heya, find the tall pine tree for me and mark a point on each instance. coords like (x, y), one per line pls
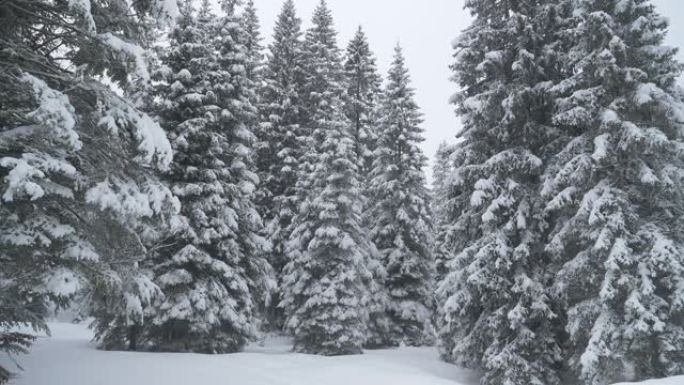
(360, 106)
(212, 272)
(496, 314)
(280, 138)
(442, 216)
(239, 117)
(326, 282)
(614, 195)
(252, 42)
(361, 99)
(400, 211)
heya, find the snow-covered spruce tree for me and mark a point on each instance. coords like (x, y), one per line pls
(79, 197)
(361, 99)
(326, 282)
(322, 95)
(239, 119)
(400, 224)
(495, 311)
(442, 170)
(252, 43)
(279, 140)
(254, 71)
(614, 193)
(210, 271)
(360, 106)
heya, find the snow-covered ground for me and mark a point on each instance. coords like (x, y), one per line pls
(68, 358)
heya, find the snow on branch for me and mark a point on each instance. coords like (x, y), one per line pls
(54, 110)
(129, 199)
(155, 149)
(83, 9)
(134, 51)
(20, 180)
(27, 177)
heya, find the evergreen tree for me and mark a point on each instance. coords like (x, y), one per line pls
(442, 217)
(252, 42)
(254, 70)
(211, 271)
(361, 99)
(80, 200)
(323, 93)
(496, 313)
(280, 139)
(614, 195)
(360, 106)
(326, 282)
(400, 212)
(239, 118)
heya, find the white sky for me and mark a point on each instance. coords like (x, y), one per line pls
(425, 29)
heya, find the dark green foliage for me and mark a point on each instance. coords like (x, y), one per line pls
(400, 221)
(75, 159)
(212, 274)
(326, 283)
(280, 140)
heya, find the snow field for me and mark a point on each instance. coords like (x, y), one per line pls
(69, 358)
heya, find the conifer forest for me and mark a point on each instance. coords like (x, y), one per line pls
(189, 197)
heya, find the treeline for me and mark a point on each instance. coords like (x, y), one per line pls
(189, 188)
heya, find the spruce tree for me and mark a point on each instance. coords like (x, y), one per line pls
(254, 70)
(326, 282)
(360, 106)
(212, 272)
(252, 43)
(400, 212)
(236, 93)
(442, 217)
(361, 99)
(496, 313)
(280, 139)
(79, 197)
(323, 93)
(614, 195)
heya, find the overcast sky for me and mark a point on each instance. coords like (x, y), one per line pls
(425, 29)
